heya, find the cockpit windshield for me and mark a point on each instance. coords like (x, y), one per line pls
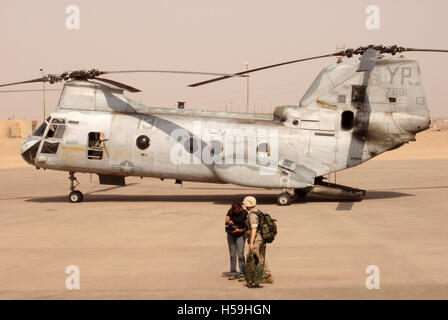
(39, 132)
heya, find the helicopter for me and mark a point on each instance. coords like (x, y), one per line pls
(352, 112)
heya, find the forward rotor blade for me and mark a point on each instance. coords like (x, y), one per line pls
(118, 84)
(42, 79)
(29, 90)
(242, 73)
(171, 71)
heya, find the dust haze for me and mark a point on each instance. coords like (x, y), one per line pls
(209, 36)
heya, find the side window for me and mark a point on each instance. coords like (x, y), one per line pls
(216, 148)
(264, 149)
(95, 146)
(191, 145)
(50, 147)
(57, 129)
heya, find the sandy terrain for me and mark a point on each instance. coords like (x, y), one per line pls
(156, 240)
(10, 154)
(430, 144)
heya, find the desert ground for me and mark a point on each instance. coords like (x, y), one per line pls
(157, 240)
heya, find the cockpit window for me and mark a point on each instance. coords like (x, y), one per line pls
(57, 129)
(39, 132)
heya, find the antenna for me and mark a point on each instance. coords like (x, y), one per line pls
(43, 88)
(247, 88)
(340, 47)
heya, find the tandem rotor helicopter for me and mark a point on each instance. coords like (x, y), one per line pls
(352, 112)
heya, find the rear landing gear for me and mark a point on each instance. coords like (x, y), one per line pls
(75, 195)
(285, 199)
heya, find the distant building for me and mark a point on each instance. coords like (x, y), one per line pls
(17, 128)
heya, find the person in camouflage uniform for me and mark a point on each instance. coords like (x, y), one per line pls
(255, 240)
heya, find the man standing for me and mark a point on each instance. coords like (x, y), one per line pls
(255, 240)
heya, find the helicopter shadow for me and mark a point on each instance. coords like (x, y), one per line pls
(262, 199)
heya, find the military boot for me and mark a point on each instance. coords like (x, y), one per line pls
(268, 279)
(253, 286)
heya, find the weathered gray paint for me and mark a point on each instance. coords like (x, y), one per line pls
(309, 134)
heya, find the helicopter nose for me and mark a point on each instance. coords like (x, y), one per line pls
(29, 149)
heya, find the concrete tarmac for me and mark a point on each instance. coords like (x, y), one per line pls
(156, 240)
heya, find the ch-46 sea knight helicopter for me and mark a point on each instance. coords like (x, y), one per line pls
(352, 112)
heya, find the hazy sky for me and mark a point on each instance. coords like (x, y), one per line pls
(214, 36)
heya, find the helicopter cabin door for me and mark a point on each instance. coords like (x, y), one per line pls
(122, 143)
(95, 146)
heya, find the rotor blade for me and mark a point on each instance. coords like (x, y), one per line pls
(118, 84)
(171, 71)
(29, 90)
(42, 79)
(401, 49)
(368, 60)
(242, 73)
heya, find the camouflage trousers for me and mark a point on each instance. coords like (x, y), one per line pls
(260, 251)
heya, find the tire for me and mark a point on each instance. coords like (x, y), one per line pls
(75, 196)
(284, 199)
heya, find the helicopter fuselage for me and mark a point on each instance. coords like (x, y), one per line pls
(344, 119)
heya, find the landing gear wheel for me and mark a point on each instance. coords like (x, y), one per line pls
(284, 199)
(75, 196)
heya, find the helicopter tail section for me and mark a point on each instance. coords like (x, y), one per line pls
(359, 114)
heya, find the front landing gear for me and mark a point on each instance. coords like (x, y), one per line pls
(75, 195)
(285, 199)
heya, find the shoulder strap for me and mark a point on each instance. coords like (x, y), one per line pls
(259, 214)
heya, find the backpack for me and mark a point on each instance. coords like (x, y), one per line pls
(266, 226)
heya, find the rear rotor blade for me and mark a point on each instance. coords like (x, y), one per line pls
(368, 60)
(421, 50)
(345, 53)
(242, 73)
